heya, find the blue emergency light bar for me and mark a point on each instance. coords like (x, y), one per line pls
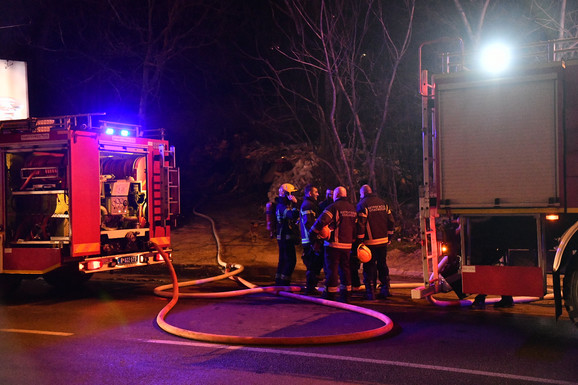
(121, 129)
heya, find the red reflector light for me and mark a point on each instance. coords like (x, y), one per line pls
(159, 257)
(93, 265)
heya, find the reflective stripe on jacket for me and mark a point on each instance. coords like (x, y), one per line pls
(308, 213)
(287, 217)
(341, 217)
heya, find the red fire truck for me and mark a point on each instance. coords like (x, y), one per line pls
(500, 165)
(82, 195)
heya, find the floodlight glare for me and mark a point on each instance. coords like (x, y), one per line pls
(495, 58)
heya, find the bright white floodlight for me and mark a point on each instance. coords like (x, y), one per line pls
(495, 58)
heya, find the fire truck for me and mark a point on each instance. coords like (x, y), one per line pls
(499, 200)
(82, 195)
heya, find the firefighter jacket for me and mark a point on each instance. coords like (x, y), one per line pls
(341, 218)
(374, 221)
(308, 214)
(287, 218)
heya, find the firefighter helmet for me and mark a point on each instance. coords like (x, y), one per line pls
(325, 232)
(363, 253)
(286, 188)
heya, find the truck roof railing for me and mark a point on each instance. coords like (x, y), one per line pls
(539, 52)
(69, 122)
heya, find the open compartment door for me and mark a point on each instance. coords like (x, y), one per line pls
(84, 194)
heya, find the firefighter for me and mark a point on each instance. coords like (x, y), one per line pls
(341, 217)
(327, 201)
(375, 229)
(312, 258)
(287, 216)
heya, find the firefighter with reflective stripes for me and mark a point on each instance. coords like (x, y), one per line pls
(341, 218)
(375, 229)
(287, 216)
(312, 258)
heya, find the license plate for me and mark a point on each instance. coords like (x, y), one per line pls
(127, 260)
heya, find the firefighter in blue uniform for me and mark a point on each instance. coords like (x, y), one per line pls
(312, 258)
(287, 216)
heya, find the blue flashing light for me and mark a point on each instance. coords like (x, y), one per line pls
(124, 132)
(109, 131)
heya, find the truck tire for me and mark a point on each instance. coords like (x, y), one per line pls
(66, 277)
(8, 284)
(571, 291)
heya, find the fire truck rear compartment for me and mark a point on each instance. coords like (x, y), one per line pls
(82, 195)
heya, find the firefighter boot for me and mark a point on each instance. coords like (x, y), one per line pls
(369, 292)
(506, 301)
(479, 302)
(384, 290)
(344, 296)
(311, 287)
(328, 295)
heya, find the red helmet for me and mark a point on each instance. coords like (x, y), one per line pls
(363, 253)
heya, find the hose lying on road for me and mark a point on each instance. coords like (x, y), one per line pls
(231, 272)
(468, 302)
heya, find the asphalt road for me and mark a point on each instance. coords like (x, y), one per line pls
(106, 334)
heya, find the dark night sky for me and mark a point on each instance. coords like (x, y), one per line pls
(79, 61)
(82, 59)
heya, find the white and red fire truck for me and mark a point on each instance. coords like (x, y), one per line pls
(500, 164)
(82, 195)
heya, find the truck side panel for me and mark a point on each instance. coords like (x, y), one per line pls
(31, 261)
(571, 135)
(499, 141)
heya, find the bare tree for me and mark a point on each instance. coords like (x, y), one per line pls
(336, 65)
(121, 45)
(164, 31)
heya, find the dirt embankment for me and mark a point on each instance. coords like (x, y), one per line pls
(240, 226)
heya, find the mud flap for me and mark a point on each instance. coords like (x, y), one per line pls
(557, 294)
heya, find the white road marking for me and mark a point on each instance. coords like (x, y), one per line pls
(44, 332)
(367, 361)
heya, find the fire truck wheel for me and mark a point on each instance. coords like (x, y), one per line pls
(8, 284)
(571, 291)
(66, 277)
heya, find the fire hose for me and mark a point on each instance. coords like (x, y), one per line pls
(231, 272)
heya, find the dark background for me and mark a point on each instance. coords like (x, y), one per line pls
(87, 56)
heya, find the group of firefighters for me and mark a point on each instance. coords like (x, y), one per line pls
(336, 237)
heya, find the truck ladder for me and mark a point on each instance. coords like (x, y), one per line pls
(165, 189)
(430, 251)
